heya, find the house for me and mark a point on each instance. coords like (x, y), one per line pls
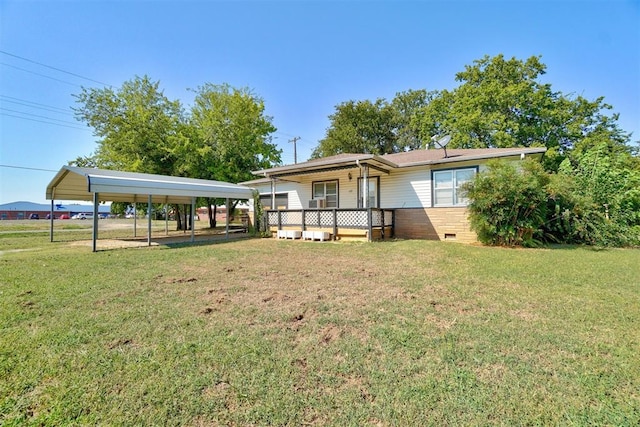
(413, 195)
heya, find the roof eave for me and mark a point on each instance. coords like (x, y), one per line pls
(518, 152)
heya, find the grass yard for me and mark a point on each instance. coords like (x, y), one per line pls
(268, 332)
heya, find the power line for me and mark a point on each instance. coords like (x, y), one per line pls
(287, 134)
(42, 121)
(37, 115)
(39, 74)
(53, 68)
(37, 105)
(27, 168)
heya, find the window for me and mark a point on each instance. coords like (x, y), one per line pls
(446, 186)
(373, 200)
(282, 201)
(327, 190)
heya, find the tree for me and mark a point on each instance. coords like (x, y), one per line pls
(139, 128)
(406, 108)
(231, 136)
(359, 127)
(376, 127)
(502, 103)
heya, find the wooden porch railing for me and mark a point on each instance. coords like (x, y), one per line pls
(333, 220)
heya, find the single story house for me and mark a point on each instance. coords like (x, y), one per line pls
(413, 195)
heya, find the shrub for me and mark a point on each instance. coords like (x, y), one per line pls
(508, 203)
(595, 199)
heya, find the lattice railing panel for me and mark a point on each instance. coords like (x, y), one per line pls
(376, 218)
(357, 218)
(272, 218)
(388, 217)
(354, 219)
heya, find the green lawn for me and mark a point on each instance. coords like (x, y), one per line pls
(267, 332)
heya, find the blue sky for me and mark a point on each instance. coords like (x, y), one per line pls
(302, 57)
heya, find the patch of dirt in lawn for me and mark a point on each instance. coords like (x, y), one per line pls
(319, 295)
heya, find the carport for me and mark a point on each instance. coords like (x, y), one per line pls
(102, 185)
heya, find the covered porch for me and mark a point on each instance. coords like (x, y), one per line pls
(331, 224)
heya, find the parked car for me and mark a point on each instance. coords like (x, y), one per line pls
(34, 216)
(64, 216)
(82, 215)
(49, 216)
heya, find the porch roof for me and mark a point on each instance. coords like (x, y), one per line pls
(388, 162)
(340, 161)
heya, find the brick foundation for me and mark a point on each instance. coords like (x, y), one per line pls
(434, 224)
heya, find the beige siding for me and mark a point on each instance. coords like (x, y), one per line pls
(281, 187)
(347, 189)
(434, 224)
(410, 188)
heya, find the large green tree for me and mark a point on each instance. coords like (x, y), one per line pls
(138, 127)
(226, 136)
(359, 127)
(231, 136)
(503, 103)
(379, 127)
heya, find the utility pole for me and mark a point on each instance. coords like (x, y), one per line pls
(295, 153)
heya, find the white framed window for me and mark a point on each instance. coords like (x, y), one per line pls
(446, 186)
(327, 190)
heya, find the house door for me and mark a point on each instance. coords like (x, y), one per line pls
(373, 199)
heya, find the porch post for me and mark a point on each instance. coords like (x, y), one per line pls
(335, 223)
(382, 222)
(393, 223)
(273, 193)
(365, 187)
(369, 225)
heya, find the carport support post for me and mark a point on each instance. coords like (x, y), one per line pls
(166, 217)
(226, 229)
(51, 222)
(193, 223)
(149, 221)
(94, 232)
(135, 219)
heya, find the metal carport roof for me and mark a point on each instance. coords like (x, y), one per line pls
(102, 185)
(75, 183)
